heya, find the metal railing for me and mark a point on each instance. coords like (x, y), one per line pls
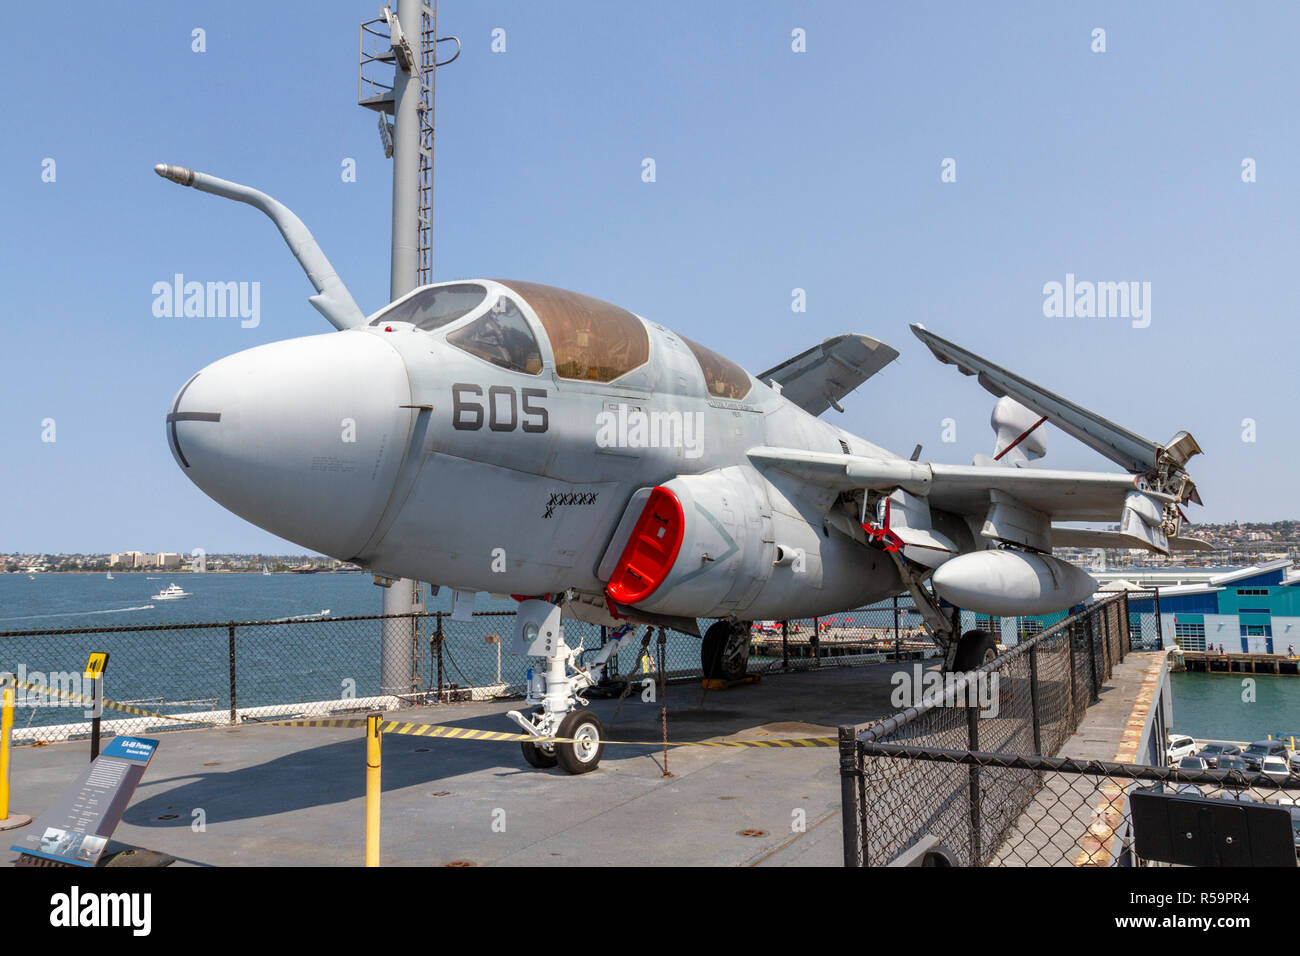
(921, 774)
(231, 671)
(226, 672)
(1079, 812)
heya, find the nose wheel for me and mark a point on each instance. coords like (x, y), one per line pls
(541, 756)
(588, 736)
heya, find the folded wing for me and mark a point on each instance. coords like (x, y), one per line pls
(817, 379)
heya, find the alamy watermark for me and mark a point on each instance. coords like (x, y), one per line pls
(931, 688)
(56, 689)
(208, 300)
(1098, 300)
(631, 427)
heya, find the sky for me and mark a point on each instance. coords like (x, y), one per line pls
(925, 162)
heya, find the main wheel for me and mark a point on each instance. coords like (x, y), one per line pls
(584, 728)
(974, 649)
(724, 653)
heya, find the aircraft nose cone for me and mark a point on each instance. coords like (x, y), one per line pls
(302, 437)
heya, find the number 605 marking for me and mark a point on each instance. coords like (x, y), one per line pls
(503, 407)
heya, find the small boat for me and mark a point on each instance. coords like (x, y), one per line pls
(170, 593)
(109, 575)
(265, 569)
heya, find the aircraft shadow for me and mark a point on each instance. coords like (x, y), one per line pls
(333, 773)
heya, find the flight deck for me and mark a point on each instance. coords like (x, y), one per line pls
(294, 796)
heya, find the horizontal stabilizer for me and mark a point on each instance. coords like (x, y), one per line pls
(817, 379)
(1133, 452)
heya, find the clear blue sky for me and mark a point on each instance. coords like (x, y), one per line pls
(775, 170)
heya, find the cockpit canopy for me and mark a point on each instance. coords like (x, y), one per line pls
(591, 340)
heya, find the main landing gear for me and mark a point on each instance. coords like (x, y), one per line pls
(724, 652)
(564, 733)
(974, 649)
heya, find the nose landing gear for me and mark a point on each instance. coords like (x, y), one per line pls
(553, 696)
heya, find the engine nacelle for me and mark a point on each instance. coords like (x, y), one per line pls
(729, 542)
(1012, 583)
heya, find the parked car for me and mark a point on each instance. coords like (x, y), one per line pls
(1211, 753)
(1192, 790)
(1232, 763)
(1276, 768)
(1254, 754)
(1295, 763)
(1180, 747)
(1192, 763)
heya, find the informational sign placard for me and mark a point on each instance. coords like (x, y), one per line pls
(95, 666)
(78, 826)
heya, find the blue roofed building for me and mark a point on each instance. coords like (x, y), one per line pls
(1253, 610)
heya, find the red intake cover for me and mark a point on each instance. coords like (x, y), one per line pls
(650, 551)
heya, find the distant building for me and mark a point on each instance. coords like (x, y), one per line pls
(1253, 610)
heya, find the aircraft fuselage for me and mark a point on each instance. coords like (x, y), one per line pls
(392, 446)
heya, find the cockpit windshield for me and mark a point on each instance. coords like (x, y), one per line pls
(501, 336)
(434, 308)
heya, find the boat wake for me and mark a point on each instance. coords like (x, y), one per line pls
(301, 617)
(111, 610)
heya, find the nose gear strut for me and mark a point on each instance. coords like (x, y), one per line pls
(551, 705)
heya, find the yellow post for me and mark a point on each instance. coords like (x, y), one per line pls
(8, 698)
(6, 724)
(374, 753)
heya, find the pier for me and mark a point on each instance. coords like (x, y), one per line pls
(1212, 662)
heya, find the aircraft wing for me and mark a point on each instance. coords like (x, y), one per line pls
(1017, 505)
(1126, 449)
(817, 379)
(1061, 495)
(962, 489)
(1090, 538)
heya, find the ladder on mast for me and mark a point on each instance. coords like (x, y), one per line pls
(376, 51)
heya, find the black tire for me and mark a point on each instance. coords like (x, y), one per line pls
(724, 653)
(539, 758)
(975, 649)
(580, 758)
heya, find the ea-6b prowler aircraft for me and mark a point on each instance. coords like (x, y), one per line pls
(521, 439)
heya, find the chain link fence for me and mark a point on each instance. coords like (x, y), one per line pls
(226, 672)
(1080, 812)
(923, 775)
